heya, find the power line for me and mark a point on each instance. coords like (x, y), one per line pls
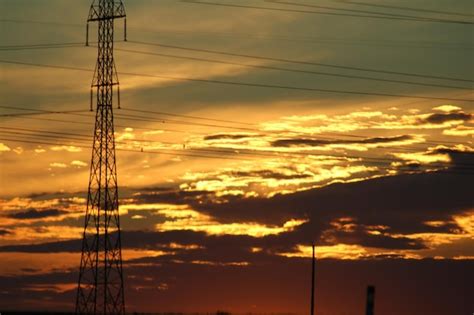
(190, 116)
(45, 66)
(291, 70)
(303, 62)
(159, 120)
(58, 45)
(315, 40)
(40, 46)
(259, 131)
(292, 38)
(77, 135)
(83, 138)
(238, 151)
(39, 110)
(43, 112)
(359, 11)
(41, 22)
(250, 66)
(218, 150)
(233, 83)
(403, 8)
(416, 19)
(372, 160)
(247, 151)
(124, 150)
(72, 136)
(437, 142)
(54, 136)
(47, 131)
(180, 122)
(132, 117)
(90, 124)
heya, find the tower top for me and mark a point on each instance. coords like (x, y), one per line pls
(106, 10)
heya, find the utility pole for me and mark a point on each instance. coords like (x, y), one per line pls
(370, 300)
(313, 267)
(100, 286)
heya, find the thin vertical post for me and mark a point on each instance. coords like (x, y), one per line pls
(370, 300)
(313, 267)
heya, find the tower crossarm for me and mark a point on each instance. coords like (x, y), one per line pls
(115, 10)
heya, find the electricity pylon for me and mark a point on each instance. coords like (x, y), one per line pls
(100, 286)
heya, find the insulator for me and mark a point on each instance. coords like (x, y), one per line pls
(87, 34)
(125, 29)
(118, 95)
(92, 96)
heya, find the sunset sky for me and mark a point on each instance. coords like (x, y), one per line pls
(248, 129)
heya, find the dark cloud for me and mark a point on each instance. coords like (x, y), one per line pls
(461, 160)
(295, 142)
(4, 232)
(52, 247)
(156, 189)
(228, 248)
(36, 214)
(224, 136)
(360, 237)
(47, 195)
(439, 118)
(171, 196)
(402, 202)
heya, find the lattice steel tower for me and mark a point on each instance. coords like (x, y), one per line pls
(100, 286)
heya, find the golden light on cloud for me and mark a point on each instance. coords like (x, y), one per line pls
(78, 163)
(447, 108)
(433, 240)
(349, 252)
(435, 223)
(4, 148)
(460, 131)
(210, 227)
(14, 263)
(57, 287)
(339, 251)
(68, 148)
(275, 176)
(20, 203)
(466, 222)
(256, 249)
(181, 217)
(346, 224)
(423, 157)
(368, 120)
(188, 219)
(214, 263)
(58, 165)
(186, 247)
